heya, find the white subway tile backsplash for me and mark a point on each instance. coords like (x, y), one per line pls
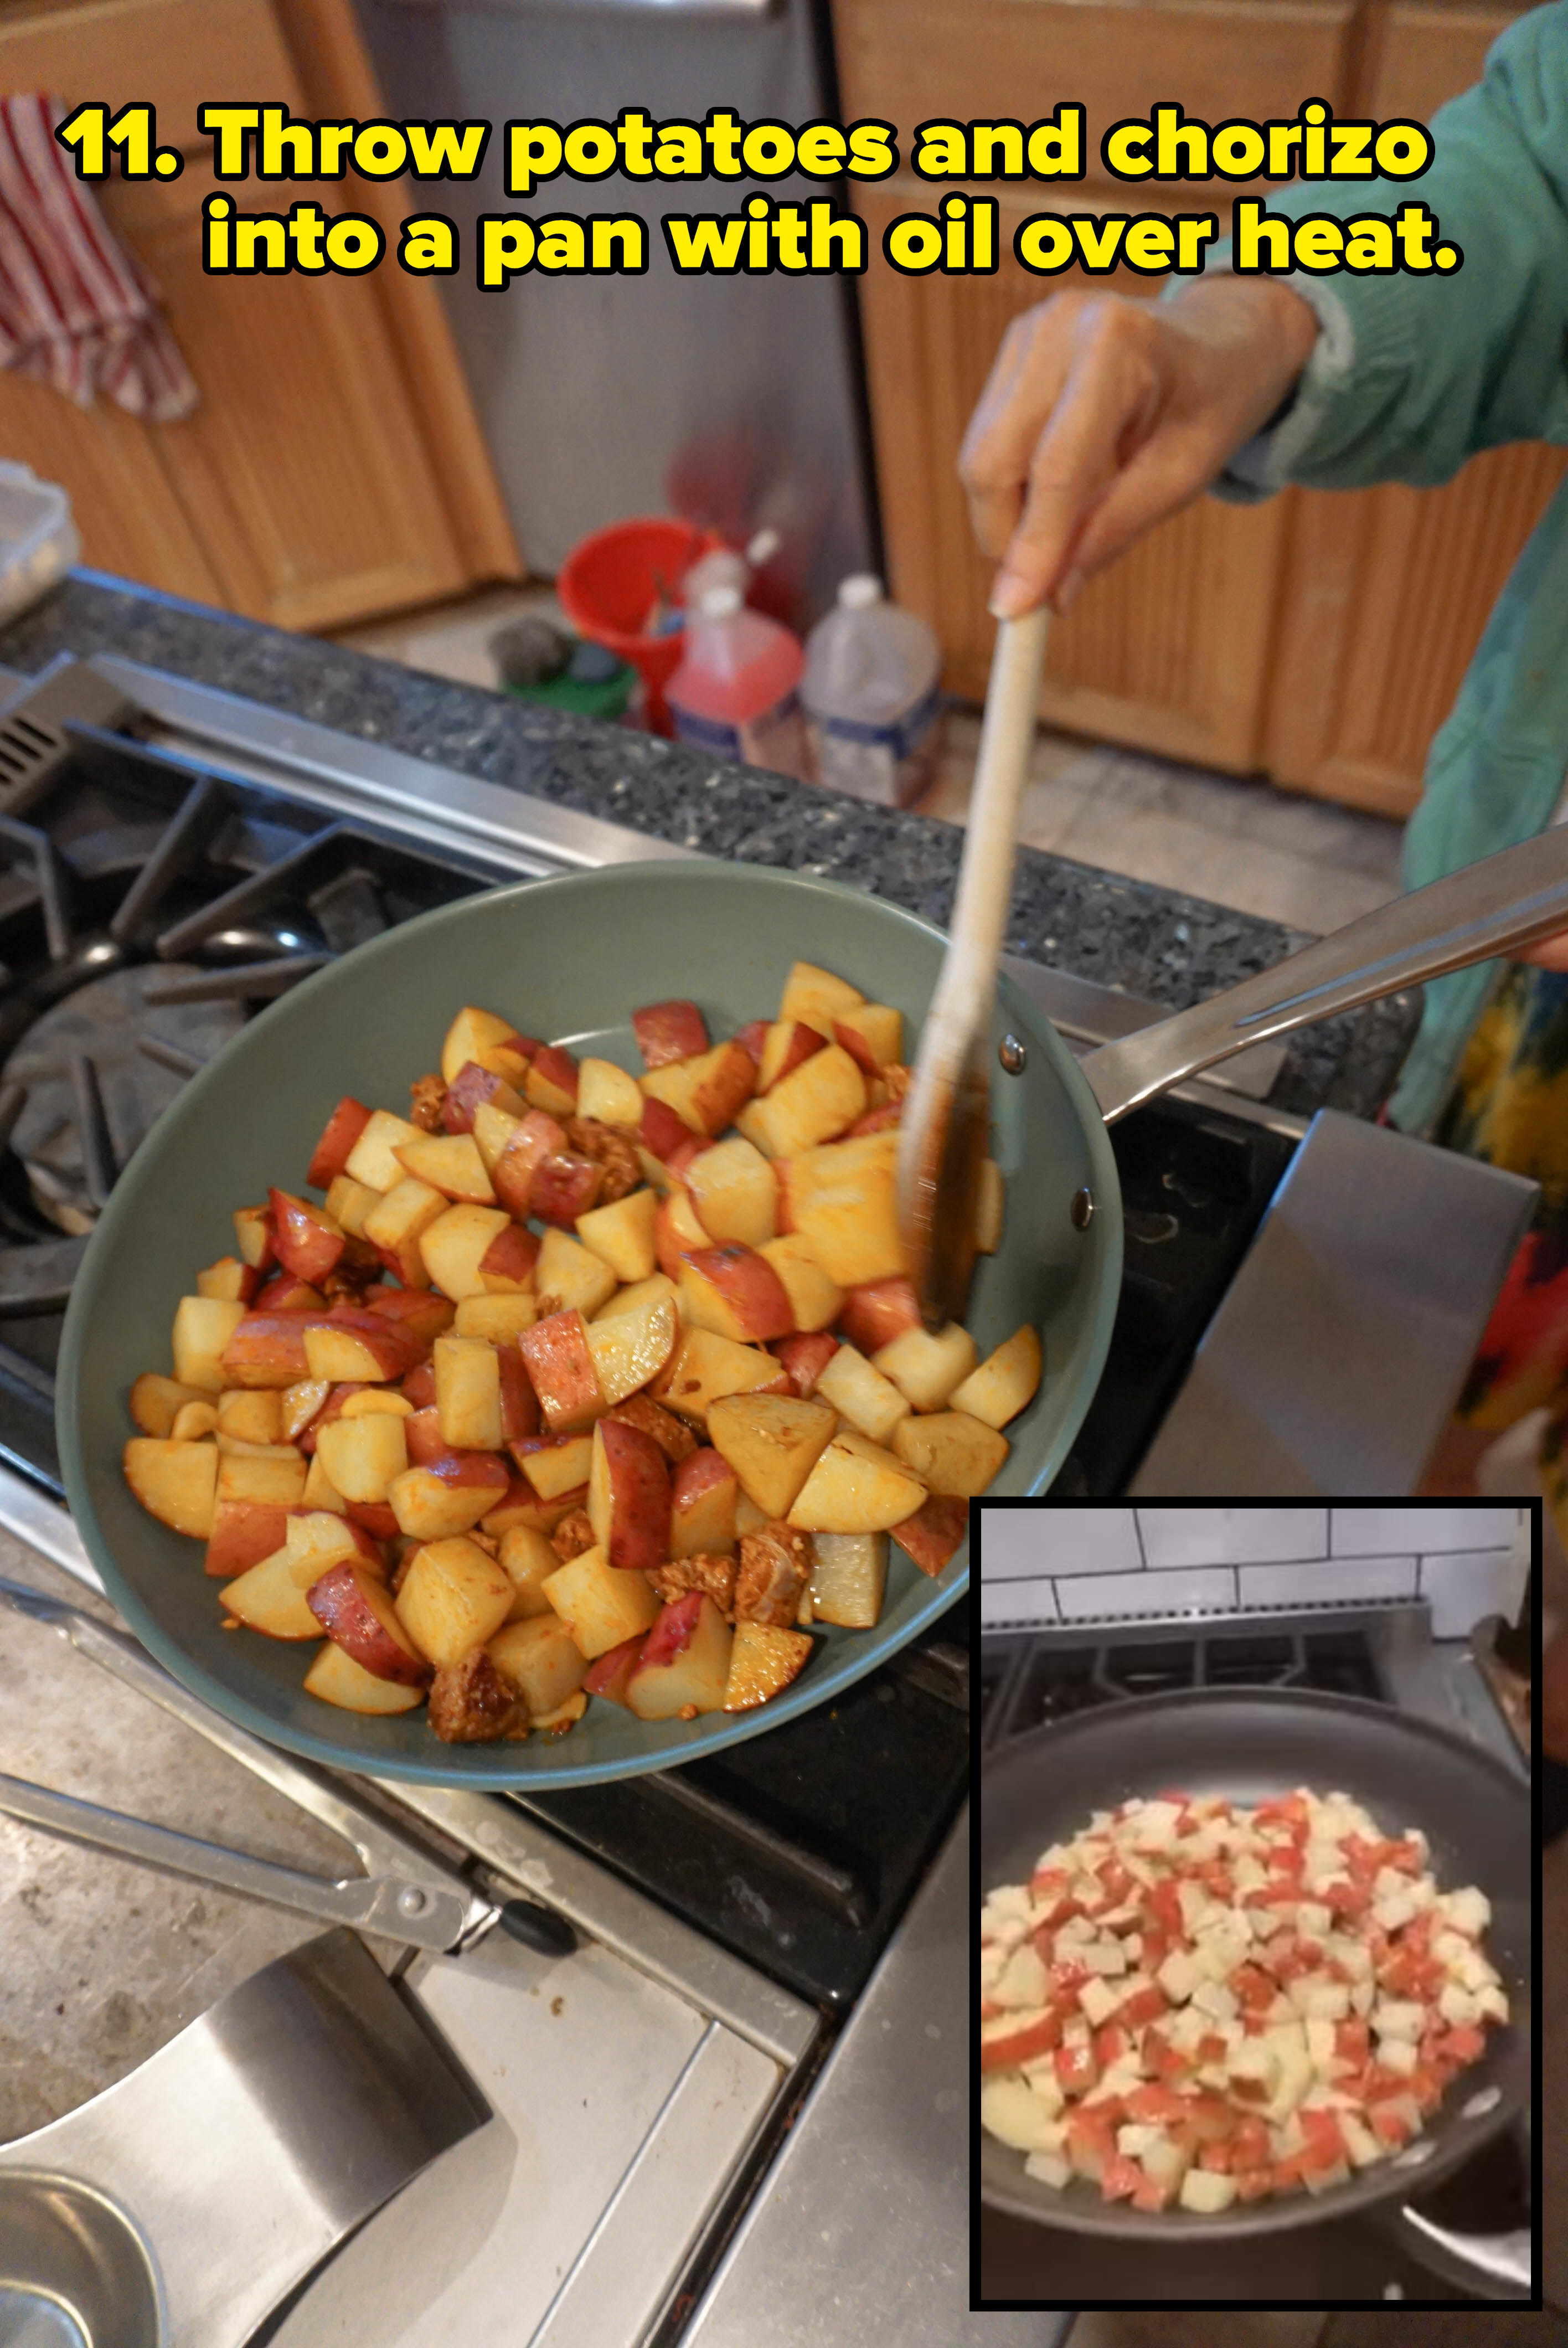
(1374, 1532)
(1017, 1601)
(1464, 1584)
(1044, 1540)
(1232, 1535)
(1147, 1593)
(1320, 1580)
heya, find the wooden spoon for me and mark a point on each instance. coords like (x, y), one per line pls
(946, 1127)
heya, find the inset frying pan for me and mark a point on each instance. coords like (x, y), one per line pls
(1250, 1744)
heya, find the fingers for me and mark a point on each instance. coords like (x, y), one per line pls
(1021, 392)
(1167, 472)
(1552, 953)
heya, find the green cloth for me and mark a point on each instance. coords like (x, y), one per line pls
(1412, 374)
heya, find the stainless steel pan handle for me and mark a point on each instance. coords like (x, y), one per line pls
(1511, 899)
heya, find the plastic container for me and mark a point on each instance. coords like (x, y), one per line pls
(872, 698)
(38, 541)
(727, 566)
(612, 582)
(736, 691)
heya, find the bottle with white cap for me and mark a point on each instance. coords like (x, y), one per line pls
(872, 698)
(737, 692)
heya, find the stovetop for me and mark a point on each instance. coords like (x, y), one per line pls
(1383, 1653)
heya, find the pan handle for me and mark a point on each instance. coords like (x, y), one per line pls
(1490, 2258)
(1512, 899)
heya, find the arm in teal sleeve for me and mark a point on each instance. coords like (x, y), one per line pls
(1413, 373)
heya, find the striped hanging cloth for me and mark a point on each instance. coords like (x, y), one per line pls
(78, 310)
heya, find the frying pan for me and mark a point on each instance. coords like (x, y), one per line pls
(569, 959)
(1249, 1744)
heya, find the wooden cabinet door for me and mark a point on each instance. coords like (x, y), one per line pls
(307, 487)
(1385, 591)
(1168, 649)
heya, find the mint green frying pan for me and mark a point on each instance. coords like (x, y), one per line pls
(570, 960)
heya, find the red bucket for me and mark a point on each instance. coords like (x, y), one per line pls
(607, 586)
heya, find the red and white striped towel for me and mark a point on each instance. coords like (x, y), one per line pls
(78, 310)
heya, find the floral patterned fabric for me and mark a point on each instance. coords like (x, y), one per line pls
(1510, 1108)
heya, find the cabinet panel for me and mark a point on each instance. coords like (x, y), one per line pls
(177, 55)
(1165, 650)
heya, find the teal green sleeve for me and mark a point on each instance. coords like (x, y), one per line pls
(1414, 373)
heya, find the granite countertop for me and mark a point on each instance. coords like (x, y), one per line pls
(1143, 941)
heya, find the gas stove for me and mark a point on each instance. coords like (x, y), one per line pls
(1384, 1654)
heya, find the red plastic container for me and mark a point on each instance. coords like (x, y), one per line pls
(607, 586)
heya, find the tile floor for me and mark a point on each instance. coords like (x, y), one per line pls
(1273, 853)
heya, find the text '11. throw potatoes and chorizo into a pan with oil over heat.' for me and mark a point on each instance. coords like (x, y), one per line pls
(1197, 2004)
(580, 1382)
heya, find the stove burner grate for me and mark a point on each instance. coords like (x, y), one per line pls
(1055, 1683)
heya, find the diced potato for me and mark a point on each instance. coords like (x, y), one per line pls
(253, 1414)
(454, 1245)
(816, 996)
(859, 1393)
(844, 1206)
(362, 1456)
(950, 1451)
(195, 1420)
(849, 1578)
(1005, 1383)
(817, 1100)
(607, 1093)
(856, 1486)
(814, 1301)
(202, 1327)
(540, 1661)
(773, 1442)
(484, 1037)
(454, 1598)
(1204, 2190)
(632, 1299)
(1011, 2110)
(336, 1678)
(706, 1091)
(764, 1659)
(703, 1366)
(880, 1027)
(451, 1164)
(499, 1319)
(176, 1482)
(527, 1560)
(630, 1349)
(578, 1279)
(600, 1606)
(622, 1234)
(397, 1224)
(469, 1393)
(373, 1159)
(155, 1400)
(924, 1368)
(735, 1191)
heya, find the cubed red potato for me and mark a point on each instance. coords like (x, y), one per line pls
(253, 1237)
(454, 1597)
(629, 1349)
(348, 1202)
(338, 1134)
(469, 1393)
(669, 1030)
(536, 1137)
(685, 1662)
(676, 1230)
(269, 1597)
(234, 1280)
(629, 1497)
(507, 1266)
(623, 1233)
(362, 1455)
(753, 1037)
(609, 1094)
(661, 1129)
(704, 1366)
(610, 1675)
(565, 1185)
(734, 1292)
(704, 1490)
(202, 1328)
(287, 1292)
(932, 1536)
(554, 1463)
(818, 1099)
(708, 1090)
(418, 1388)
(805, 1358)
(875, 1314)
(446, 1497)
(425, 1318)
(561, 1373)
(336, 1678)
(356, 1612)
(520, 1505)
(540, 1661)
(485, 1037)
(155, 1400)
(397, 1222)
(374, 1516)
(423, 1436)
(472, 1085)
(448, 1163)
(528, 1559)
(455, 1245)
(601, 1608)
(251, 1414)
(373, 1159)
(243, 1533)
(763, 1661)
(789, 1042)
(316, 1536)
(873, 1034)
(876, 1121)
(519, 1403)
(551, 1083)
(844, 1202)
(362, 1345)
(175, 1482)
(267, 1349)
(195, 1420)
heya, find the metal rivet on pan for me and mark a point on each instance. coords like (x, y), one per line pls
(1479, 2105)
(412, 1902)
(1012, 1055)
(1081, 1209)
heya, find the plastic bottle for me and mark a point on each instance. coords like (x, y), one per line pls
(727, 566)
(872, 697)
(737, 690)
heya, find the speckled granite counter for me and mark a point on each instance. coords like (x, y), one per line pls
(1147, 942)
